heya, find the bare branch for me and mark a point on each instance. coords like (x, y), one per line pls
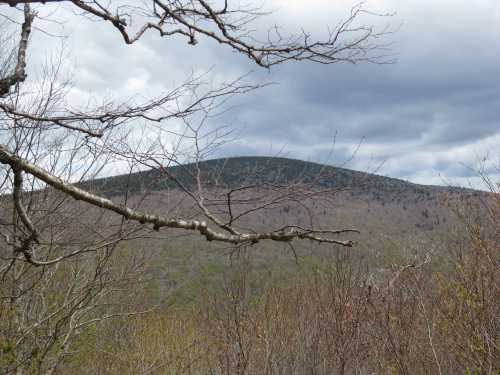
(229, 26)
(7, 157)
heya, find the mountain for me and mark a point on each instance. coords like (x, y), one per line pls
(398, 220)
(363, 200)
(238, 171)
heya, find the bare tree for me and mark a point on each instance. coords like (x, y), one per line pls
(50, 152)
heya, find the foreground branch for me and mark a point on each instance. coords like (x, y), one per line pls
(284, 235)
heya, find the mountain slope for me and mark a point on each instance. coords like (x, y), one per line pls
(239, 171)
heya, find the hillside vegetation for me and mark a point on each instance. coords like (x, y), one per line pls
(416, 294)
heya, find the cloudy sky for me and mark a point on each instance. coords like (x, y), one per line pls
(429, 118)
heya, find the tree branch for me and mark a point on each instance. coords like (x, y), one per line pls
(348, 42)
(7, 157)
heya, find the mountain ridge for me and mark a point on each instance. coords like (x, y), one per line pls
(232, 172)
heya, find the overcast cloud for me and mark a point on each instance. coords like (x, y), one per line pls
(426, 118)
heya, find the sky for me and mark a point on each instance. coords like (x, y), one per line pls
(432, 117)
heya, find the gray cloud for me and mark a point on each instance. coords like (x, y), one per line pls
(437, 107)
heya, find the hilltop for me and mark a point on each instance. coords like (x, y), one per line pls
(238, 171)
